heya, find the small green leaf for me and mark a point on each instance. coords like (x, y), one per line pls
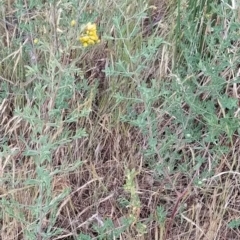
(227, 102)
(234, 223)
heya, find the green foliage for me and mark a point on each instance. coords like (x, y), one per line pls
(84, 237)
(107, 230)
(161, 214)
(197, 99)
(234, 224)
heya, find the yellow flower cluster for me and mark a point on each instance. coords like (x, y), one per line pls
(90, 36)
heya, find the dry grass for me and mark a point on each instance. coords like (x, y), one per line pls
(50, 179)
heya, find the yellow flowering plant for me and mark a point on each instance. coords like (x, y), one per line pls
(89, 36)
(73, 23)
(35, 41)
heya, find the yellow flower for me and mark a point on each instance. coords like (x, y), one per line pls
(84, 39)
(92, 32)
(73, 23)
(90, 36)
(91, 42)
(94, 38)
(35, 41)
(91, 26)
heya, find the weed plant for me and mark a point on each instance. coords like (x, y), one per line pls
(127, 130)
